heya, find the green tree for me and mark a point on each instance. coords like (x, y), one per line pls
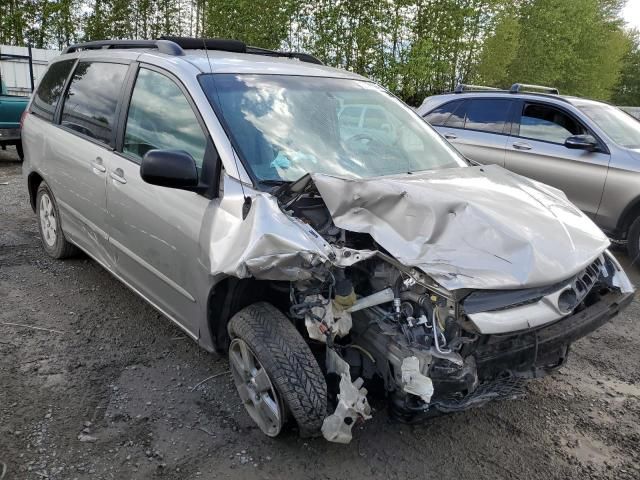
(262, 23)
(499, 50)
(13, 25)
(576, 46)
(446, 42)
(413, 47)
(627, 91)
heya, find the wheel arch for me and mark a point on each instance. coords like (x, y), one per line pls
(629, 214)
(33, 182)
(229, 296)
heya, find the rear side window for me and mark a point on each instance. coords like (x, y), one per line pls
(160, 117)
(487, 115)
(91, 100)
(50, 89)
(543, 122)
(442, 114)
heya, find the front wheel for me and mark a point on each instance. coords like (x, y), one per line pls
(633, 242)
(275, 372)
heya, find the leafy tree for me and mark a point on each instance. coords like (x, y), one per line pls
(576, 46)
(13, 25)
(413, 47)
(262, 23)
(499, 50)
(627, 91)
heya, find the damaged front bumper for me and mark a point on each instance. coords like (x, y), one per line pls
(454, 364)
(504, 362)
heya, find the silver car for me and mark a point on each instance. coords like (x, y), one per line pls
(590, 150)
(216, 181)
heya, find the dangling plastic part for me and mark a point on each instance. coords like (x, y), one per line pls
(352, 403)
(246, 207)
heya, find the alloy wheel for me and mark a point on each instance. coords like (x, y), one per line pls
(255, 388)
(48, 221)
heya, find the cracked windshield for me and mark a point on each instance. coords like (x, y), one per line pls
(287, 126)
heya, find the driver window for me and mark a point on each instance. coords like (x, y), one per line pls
(160, 117)
(543, 122)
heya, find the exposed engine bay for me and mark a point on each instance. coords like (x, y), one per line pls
(377, 322)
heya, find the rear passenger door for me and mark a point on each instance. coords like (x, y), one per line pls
(155, 231)
(80, 150)
(477, 127)
(536, 150)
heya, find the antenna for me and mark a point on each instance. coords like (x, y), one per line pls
(204, 44)
(246, 206)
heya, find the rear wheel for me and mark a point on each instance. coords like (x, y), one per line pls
(275, 372)
(633, 242)
(49, 225)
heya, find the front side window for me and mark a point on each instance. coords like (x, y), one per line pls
(91, 100)
(487, 115)
(543, 122)
(50, 89)
(620, 126)
(160, 117)
(286, 126)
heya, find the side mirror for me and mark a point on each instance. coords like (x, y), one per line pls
(169, 168)
(581, 142)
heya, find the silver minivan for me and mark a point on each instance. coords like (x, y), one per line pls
(228, 187)
(588, 149)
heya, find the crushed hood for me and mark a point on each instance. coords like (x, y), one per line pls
(477, 227)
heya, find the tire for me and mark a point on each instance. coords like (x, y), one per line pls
(20, 151)
(633, 242)
(292, 369)
(49, 226)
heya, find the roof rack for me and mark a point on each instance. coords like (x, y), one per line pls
(519, 87)
(177, 45)
(303, 57)
(164, 46)
(462, 87)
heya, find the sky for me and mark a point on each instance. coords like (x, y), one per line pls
(631, 13)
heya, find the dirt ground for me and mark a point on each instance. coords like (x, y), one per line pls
(109, 393)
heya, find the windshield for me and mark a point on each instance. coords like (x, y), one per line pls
(286, 126)
(620, 126)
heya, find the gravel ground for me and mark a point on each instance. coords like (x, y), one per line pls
(108, 393)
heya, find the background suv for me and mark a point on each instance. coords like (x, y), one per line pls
(588, 149)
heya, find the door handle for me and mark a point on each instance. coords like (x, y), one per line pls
(450, 136)
(118, 176)
(521, 146)
(98, 165)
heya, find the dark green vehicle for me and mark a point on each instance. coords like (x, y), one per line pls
(11, 109)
